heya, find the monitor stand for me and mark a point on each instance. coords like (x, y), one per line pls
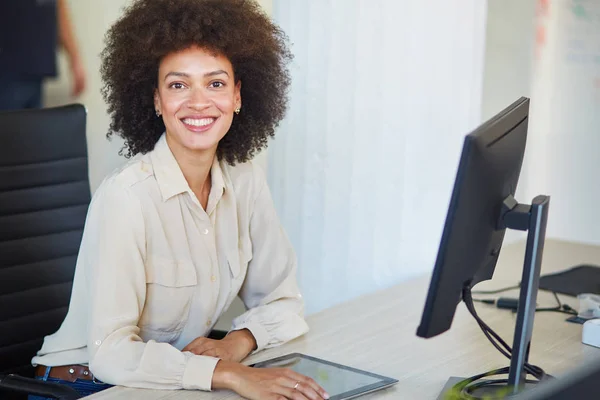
(533, 219)
(488, 391)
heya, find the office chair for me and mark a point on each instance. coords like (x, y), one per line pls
(44, 197)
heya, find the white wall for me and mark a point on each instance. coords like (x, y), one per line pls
(508, 54)
(362, 168)
(508, 70)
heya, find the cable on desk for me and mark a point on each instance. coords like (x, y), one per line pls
(560, 307)
(513, 303)
(496, 291)
(466, 387)
(486, 301)
(489, 332)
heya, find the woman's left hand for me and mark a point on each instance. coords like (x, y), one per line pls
(233, 347)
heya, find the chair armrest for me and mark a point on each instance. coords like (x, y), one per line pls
(19, 384)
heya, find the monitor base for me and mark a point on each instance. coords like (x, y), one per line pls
(485, 391)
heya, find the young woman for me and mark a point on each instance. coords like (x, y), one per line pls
(195, 88)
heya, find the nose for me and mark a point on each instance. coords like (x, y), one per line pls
(198, 99)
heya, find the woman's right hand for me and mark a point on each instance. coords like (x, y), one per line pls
(266, 383)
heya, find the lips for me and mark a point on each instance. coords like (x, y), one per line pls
(198, 124)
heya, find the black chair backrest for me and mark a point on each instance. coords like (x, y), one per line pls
(44, 197)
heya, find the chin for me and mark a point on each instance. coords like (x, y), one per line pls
(201, 146)
(196, 142)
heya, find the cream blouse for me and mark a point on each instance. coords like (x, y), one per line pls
(155, 271)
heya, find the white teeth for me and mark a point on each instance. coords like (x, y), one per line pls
(198, 122)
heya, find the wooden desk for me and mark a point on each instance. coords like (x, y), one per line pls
(376, 332)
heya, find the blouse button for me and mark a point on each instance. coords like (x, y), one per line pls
(98, 342)
(205, 231)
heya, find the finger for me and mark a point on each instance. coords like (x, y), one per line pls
(209, 353)
(307, 391)
(194, 343)
(311, 383)
(201, 346)
(292, 394)
(76, 87)
(297, 386)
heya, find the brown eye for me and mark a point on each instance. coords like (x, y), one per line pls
(176, 85)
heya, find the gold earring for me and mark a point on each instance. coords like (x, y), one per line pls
(237, 110)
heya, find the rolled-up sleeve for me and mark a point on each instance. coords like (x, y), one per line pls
(270, 291)
(113, 255)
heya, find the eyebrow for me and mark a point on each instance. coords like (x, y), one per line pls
(208, 74)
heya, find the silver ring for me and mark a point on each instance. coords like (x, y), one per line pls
(296, 385)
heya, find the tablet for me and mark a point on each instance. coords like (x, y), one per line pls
(340, 381)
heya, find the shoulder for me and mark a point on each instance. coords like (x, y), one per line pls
(122, 183)
(246, 179)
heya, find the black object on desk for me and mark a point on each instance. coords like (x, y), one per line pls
(574, 281)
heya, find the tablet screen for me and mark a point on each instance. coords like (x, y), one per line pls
(336, 379)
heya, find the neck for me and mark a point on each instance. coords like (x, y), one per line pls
(195, 165)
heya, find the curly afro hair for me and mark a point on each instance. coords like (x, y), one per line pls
(236, 29)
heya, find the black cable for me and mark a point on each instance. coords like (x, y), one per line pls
(532, 369)
(560, 307)
(486, 301)
(568, 312)
(496, 291)
(557, 299)
(467, 386)
(468, 390)
(468, 300)
(490, 332)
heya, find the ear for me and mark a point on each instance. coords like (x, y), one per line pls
(157, 101)
(238, 94)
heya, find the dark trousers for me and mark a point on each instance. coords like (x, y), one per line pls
(20, 93)
(84, 387)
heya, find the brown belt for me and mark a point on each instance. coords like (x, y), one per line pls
(66, 372)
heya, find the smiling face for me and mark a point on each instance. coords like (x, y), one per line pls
(196, 95)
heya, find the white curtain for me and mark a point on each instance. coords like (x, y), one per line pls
(563, 158)
(362, 168)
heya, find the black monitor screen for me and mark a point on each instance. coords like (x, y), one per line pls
(488, 173)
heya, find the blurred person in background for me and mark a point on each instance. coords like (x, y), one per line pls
(30, 32)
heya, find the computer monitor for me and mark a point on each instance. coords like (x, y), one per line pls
(482, 207)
